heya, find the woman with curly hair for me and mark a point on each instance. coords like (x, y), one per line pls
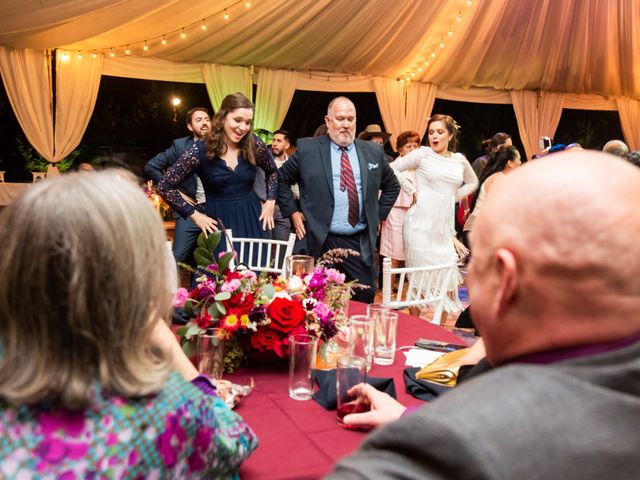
(226, 161)
(443, 177)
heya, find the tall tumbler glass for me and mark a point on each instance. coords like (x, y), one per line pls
(384, 337)
(361, 337)
(302, 359)
(351, 376)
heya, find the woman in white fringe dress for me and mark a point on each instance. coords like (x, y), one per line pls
(442, 177)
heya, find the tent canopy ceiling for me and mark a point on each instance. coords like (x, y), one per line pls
(572, 46)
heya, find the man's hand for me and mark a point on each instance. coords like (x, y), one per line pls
(187, 198)
(298, 220)
(206, 224)
(384, 409)
(268, 209)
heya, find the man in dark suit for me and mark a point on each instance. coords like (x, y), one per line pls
(186, 231)
(559, 319)
(346, 189)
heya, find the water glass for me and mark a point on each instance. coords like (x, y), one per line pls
(351, 372)
(384, 337)
(299, 265)
(361, 337)
(302, 359)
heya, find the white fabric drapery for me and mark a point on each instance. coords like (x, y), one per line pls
(273, 97)
(27, 80)
(538, 114)
(629, 111)
(420, 99)
(77, 83)
(391, 102)
(222, 80)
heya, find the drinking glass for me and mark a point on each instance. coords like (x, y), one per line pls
(384, 337)
(302, 359)
(299, 265)
(361, 337)
(351, 372)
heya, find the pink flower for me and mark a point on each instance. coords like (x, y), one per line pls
(334, 276)
(231, 285)
(322, 311)
(181, 296)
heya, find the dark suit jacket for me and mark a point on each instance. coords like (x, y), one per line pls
(154, 168)
(575, 419)
(310, 167)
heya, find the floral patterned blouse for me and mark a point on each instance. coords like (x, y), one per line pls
(179, 432)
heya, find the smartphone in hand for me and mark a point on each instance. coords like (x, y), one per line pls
(438, 346)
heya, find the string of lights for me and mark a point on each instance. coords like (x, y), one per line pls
(433, 50)
(149, 44)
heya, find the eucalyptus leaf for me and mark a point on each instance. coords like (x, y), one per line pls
(221, 296)
(189, 349)
(214, 311)
(268, 290)
(192, 330)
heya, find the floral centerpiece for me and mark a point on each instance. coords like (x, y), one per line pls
(254, 314)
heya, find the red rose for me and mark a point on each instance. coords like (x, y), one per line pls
(240, 301)
(268, 340)
(285, 314)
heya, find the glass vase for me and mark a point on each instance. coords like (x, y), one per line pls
(329, 351)
(210, 354)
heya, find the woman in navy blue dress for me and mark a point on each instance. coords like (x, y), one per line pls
(226, 161)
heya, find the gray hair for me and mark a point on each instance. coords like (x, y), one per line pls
(83, 281)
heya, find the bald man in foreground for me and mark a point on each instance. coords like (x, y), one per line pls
(560, 321)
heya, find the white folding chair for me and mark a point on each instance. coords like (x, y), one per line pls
(260, 254)
(418, 286)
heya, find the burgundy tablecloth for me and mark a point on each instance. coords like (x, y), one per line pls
(302, 439)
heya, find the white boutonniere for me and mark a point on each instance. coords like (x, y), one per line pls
(373, 166)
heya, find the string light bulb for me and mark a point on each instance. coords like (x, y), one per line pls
(94, 55)
(127, 51)
(64, 57)
(204, 25)
(433, 54)
(164, 40)
(459, 18)
(111, 54)
(226, 15)
(450, 33)
(248, 4)
(146, 47)
(183, 34)
(469, 2)
(79, 56)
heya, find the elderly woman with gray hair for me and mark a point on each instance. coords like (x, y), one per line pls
(92, 381)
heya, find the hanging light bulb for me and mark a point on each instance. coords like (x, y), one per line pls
(248, 4)
(127, 51)
(450, 32)
(111, 54)
(441, 43)
(433, 54)
(420, 69)
(79, 56)
(94, 55)
(183, 35)
(64, 57)
(204, 25)
(459, 18)
(146, 47)
(226, 15)
(164, 40)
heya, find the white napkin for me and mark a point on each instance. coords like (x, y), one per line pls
(419, 357)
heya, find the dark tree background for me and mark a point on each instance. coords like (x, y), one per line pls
(134, 119)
